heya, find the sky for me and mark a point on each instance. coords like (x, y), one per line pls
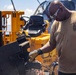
(28, 6)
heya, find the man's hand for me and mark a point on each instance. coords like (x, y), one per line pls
(34, 54)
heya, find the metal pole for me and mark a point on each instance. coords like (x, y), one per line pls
(13, 5)
(38, 1)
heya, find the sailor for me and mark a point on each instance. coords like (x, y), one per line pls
(63, 38)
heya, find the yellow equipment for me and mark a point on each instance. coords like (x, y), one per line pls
(38, 40)
(15, 22)
(38, 37)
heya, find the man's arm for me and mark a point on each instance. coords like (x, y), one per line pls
(48, 47)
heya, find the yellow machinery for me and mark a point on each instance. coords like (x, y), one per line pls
(35, 41)
(15, 22)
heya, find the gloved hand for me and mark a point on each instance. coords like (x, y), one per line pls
(33, 54)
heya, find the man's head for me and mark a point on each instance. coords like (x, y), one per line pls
(58, 11)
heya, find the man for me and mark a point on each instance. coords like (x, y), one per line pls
(63, 38)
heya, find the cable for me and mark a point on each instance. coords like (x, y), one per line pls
(38, 1)
(13, 5)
